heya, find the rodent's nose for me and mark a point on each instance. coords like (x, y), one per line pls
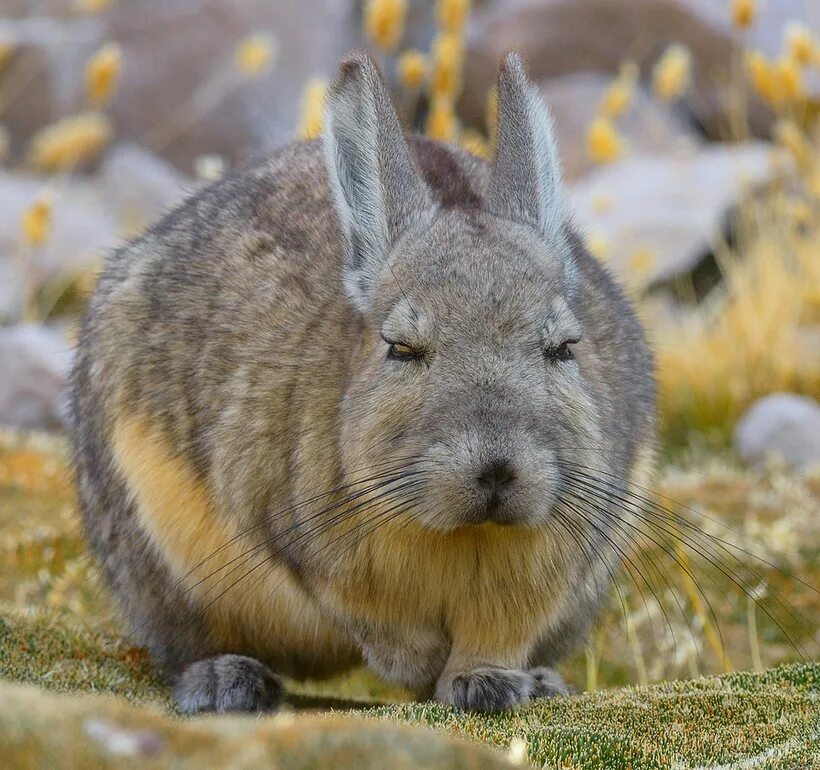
(495, 475)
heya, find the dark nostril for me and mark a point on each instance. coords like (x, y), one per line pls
(496, 474)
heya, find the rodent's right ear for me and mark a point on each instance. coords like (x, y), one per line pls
(377, 191)
(525, 185)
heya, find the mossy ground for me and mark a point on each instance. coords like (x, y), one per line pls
(73, 693)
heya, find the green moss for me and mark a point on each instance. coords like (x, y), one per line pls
(716, 720)
(73, 693)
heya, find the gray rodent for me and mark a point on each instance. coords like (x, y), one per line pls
(333, 409)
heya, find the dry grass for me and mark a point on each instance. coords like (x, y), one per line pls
(757, 334)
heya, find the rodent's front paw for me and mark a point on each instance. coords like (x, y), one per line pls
(548, 683)
(227, 683)
(489, 689)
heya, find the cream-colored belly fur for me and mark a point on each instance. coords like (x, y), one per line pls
(266, 611)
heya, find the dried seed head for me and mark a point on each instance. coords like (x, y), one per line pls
(91, 7)
(475, 143)
(618, 96)
(672, 73)
(604, 143)
(36, 221)
(384, 22)
(744, 13)
(763, 76)
(799, 43)
(7, 49)
(412, 67)
(102, 74)
(441, 121)
(313, 106)
(448, 60)
(452, 14)
(255, 54)
(69, 142)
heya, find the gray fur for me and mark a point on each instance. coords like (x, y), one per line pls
(247, 325)
(489, 689)
(227, 683)
(376, 189)
(526, 184)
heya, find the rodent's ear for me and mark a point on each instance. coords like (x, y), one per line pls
(377, 191)
(525, 185)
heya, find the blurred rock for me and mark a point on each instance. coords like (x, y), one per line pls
(783, 426)
(560, 37)
(178, 94)
(177, 52)
(35, 362)
(657, 215)
(82, 230)
(43, 79)
(140, 186)
(648, 125)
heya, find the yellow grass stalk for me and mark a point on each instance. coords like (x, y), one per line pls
(691, 589)
(744, 13)
(448, 61)
(441, 120)
(412, 67)
(672, 74)
(102, 74)
(313, 106)
(475, 143)
(36, 222)
(91, 7)
(604, 143)
(799, 43)
(618, 97)
(747, 341)
(492, 117)
(5, 143)
(384, 22)
(7, 49)
(452, 14)
(255, 55)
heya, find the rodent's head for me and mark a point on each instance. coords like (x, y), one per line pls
(470, 372)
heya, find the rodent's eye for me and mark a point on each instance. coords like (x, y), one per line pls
(401, 352)
(562, 352)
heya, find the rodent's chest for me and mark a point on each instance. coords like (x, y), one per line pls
(500, 587)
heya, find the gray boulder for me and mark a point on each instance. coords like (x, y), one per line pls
(139, 186)
(783, 426)
(669, 207)
(34, 366)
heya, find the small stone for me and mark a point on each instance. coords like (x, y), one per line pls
(34, 365)
(781, 426)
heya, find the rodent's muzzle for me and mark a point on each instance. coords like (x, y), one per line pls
(494, 481)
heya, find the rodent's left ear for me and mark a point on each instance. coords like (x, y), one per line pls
(377, 191)
(526, 184)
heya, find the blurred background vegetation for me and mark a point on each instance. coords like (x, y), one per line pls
(690, 132)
